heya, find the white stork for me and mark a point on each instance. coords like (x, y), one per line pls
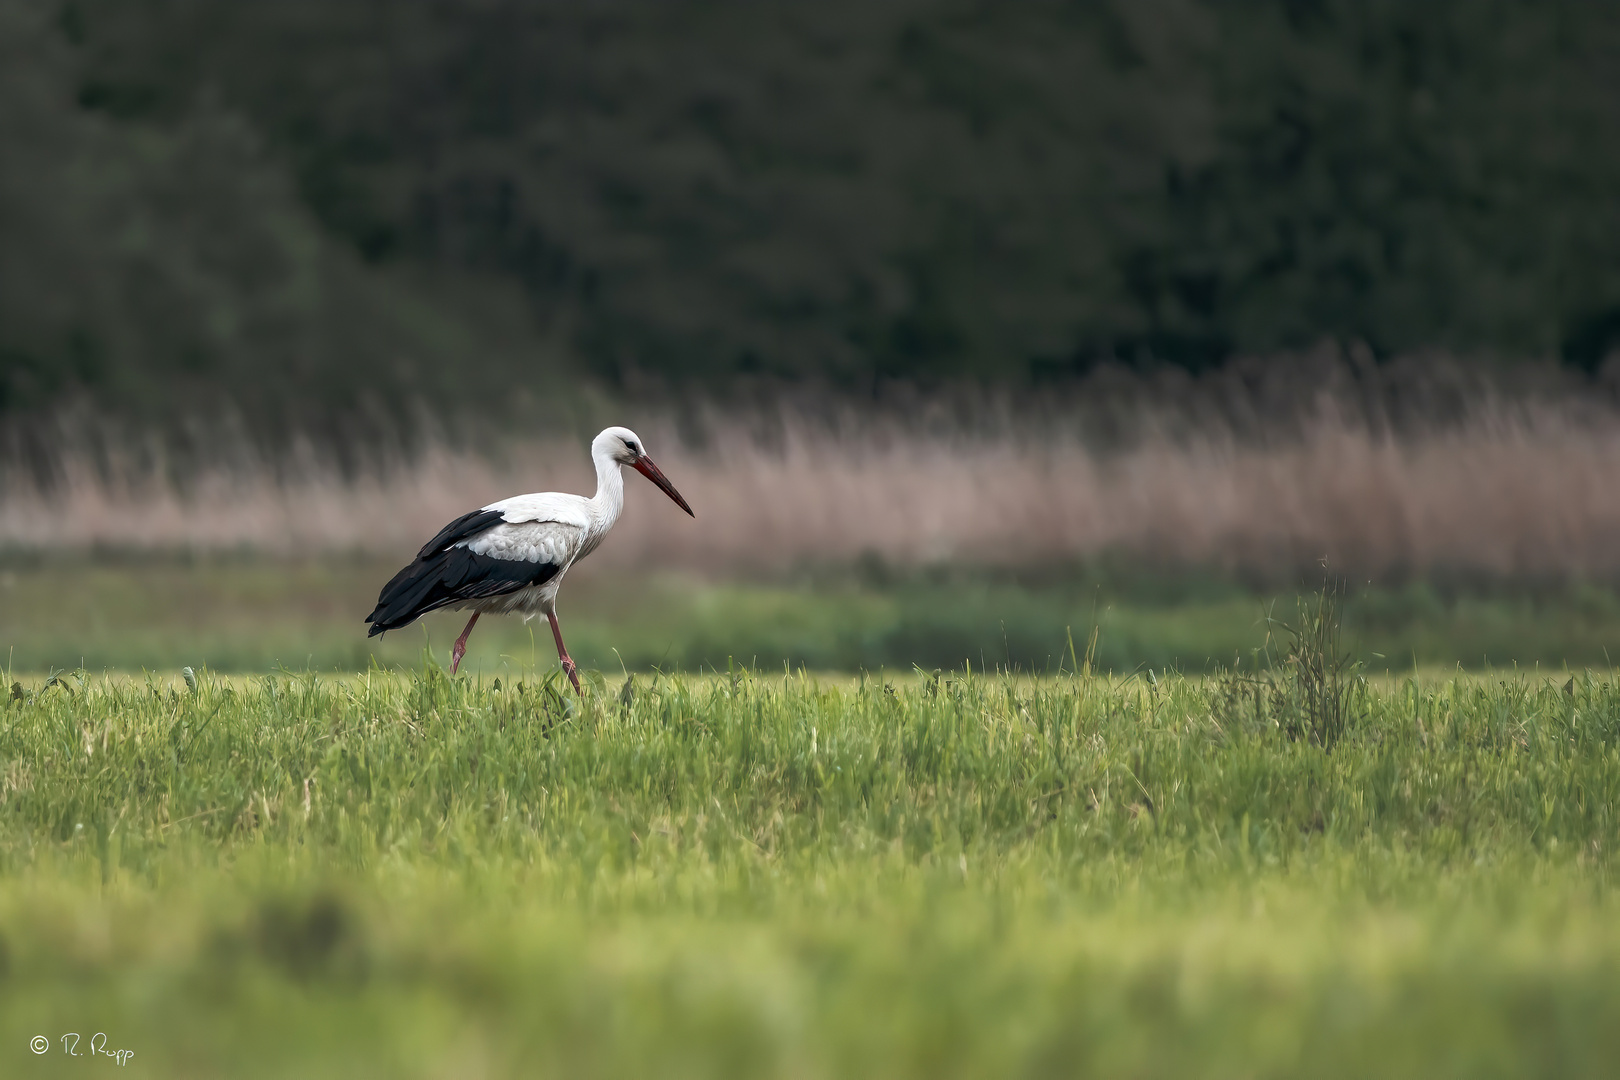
(511, 555)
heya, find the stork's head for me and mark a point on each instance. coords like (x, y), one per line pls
(624, 446)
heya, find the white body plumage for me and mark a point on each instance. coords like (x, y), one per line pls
(546, 528)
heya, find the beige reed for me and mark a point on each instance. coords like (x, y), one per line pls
(1531, 492)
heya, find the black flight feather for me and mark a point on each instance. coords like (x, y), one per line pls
(444, 574)
(464, 527)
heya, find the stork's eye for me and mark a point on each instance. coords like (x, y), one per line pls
(631, 446)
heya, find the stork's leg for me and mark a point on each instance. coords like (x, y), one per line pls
(562, 653)
(459, 650)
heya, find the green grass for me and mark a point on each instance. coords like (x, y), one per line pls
(256, 615)
(756, 875)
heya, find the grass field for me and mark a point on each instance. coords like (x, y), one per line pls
(246, 614)
(400, 874)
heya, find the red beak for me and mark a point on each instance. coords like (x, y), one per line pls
(644, 465)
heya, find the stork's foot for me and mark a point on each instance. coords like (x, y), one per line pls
(459, 649)
(562, 652)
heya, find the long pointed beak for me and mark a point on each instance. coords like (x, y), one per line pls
(644, 465)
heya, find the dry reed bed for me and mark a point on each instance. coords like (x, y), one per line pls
(1526, 493)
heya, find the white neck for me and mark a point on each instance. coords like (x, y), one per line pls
(608, 502)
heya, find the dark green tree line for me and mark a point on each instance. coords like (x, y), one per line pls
(325, 204)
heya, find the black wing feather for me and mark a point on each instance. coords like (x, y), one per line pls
(464, 527)
(444, 574)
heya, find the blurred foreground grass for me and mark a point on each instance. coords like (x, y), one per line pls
(747, 875)
(256, 615)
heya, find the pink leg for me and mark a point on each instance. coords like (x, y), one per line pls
(460, 648)
(562, 654)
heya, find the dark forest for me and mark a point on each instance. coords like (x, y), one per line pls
(312, 212)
